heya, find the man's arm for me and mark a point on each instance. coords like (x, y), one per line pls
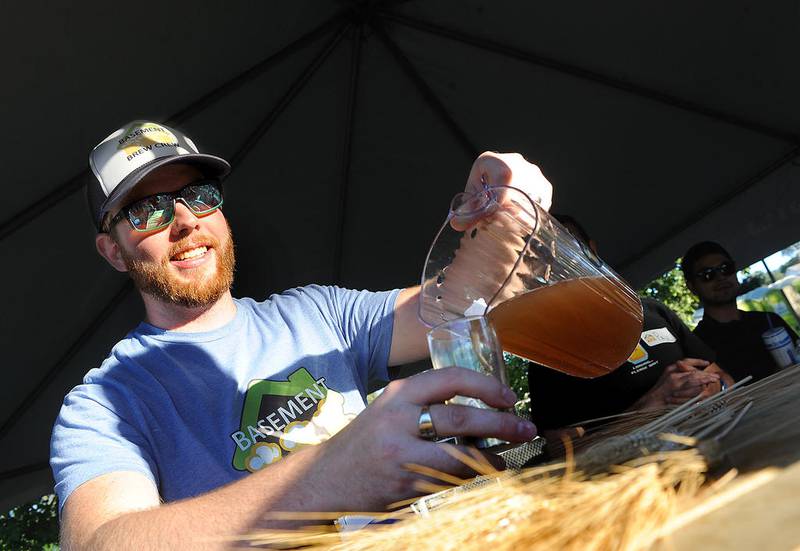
(409, 341)
(362, 468)
(122, 510)
(495, 169)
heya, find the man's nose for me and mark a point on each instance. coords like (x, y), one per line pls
(184, 218)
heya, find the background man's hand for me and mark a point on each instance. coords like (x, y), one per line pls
(366, 460)
(681, 381)
(723, 375)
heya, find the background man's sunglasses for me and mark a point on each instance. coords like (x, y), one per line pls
(725, 269)
(158, 211)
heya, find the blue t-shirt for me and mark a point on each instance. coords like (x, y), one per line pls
(194, 411)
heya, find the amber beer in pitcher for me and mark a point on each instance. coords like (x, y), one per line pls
(549, 298)
(583, 327)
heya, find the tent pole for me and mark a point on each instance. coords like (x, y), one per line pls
(77, 182)
(256, 70)
(593, 76)
(54, 371)
(352, 96)
(287, 98)
(424, 90)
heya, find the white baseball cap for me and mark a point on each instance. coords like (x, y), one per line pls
(129, 154)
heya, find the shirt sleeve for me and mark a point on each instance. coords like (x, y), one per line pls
(90, 439)
(365, 320)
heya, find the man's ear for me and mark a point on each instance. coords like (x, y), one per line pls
(691, 287)
(110, 250)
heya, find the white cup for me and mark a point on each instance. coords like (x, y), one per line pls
(780, 346)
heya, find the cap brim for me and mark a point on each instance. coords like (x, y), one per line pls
(209, 165)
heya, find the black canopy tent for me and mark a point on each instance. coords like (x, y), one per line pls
(351, 124)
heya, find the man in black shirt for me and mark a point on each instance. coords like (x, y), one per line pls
(666, 349)
(734, 334)
(669, 366)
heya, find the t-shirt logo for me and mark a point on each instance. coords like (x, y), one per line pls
(279, 417)
(638, 355)
(654, 337)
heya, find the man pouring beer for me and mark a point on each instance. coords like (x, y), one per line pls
(202, 419)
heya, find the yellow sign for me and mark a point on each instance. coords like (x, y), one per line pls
(638, 355)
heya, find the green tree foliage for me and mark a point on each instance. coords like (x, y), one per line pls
(670, 289)
(517, 369)
(31, 526)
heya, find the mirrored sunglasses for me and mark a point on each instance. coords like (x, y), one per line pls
(158, 211)
(725, 269)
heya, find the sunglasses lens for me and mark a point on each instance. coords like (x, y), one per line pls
(707, 274)
(727, 268)
(158, 211)
(152, 212)
(202, 198)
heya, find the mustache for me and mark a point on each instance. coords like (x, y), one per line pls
(191, 242)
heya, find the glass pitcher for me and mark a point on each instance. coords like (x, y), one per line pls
(549, 297)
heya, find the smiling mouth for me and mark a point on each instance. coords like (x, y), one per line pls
(189, 254)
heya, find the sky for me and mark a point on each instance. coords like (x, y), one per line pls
(773, 261)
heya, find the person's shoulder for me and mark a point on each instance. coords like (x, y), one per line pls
(653, 305)
(292, 294)
(760, 317)
(323, 293)
(116, 375)
(775, 316)
(755, 314)
(702, 327)
(305, 297)
(776, 320)
(121, 355)
(654, 311)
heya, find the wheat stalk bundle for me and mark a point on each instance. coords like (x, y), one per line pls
(625, 486)
(532, 509)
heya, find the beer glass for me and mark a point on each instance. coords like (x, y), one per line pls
(470, 343)
(550, 298)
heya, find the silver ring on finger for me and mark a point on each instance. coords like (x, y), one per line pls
(425, 425)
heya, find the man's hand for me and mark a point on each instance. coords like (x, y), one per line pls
(510, 169)
(723, 375)
(496, 169)
(362, 468)
(680, 382)
(367, 459)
